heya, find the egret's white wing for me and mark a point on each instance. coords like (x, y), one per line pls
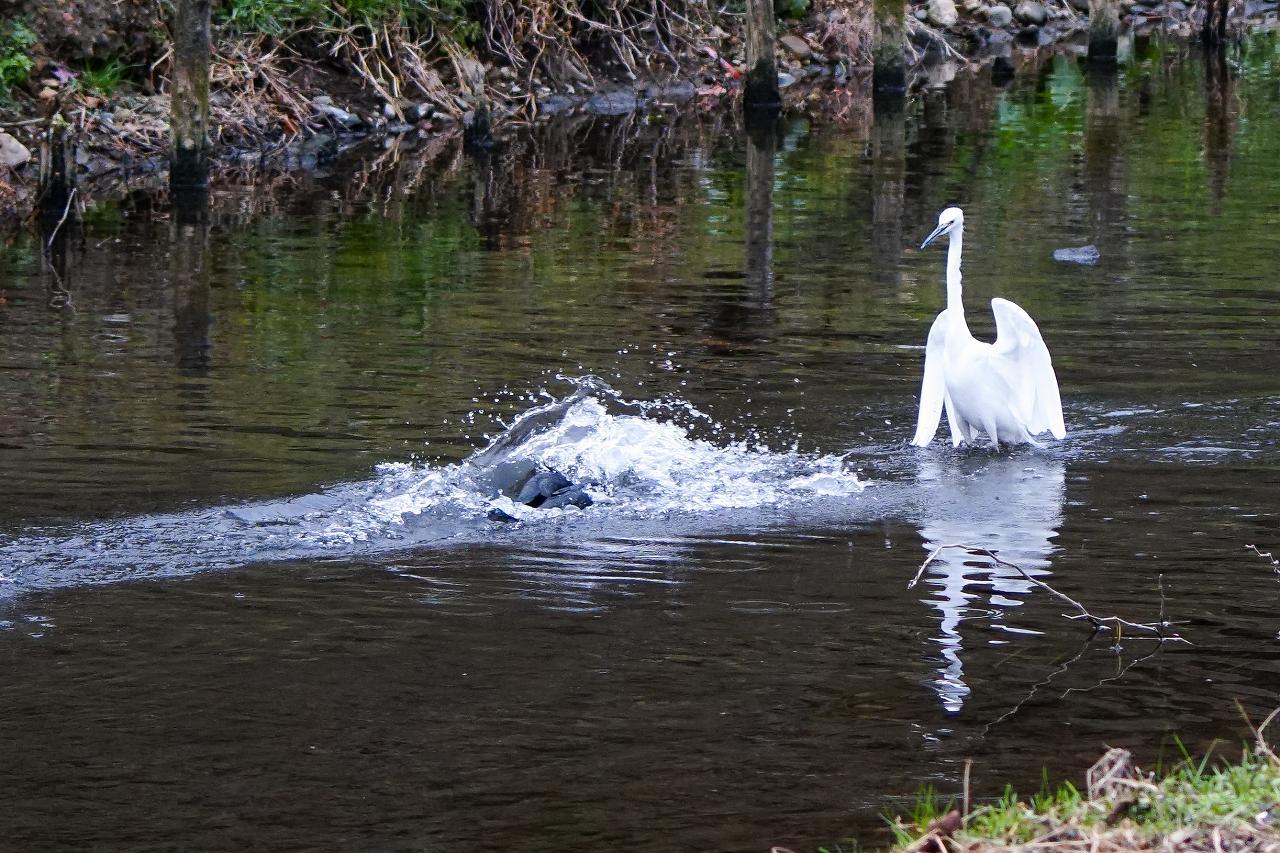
(1022, 359)
(933, 388)
(953, 421)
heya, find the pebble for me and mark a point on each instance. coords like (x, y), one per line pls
(1000, 15)
(797, 46)
(339, 116)
(942, 13)
(1031, 12)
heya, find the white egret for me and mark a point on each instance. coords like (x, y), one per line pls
(1007, 389)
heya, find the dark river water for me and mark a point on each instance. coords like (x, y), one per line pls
(251, 600)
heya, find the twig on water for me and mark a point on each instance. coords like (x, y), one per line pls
(1098, 622)
(1266, 555)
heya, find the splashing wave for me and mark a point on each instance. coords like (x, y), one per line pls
(638, 459)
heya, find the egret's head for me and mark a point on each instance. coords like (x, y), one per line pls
(949, 220)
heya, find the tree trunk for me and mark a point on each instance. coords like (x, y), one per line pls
(57, 173)
(1104, 30)
(189, 113)
(761, 89)
(886, 46)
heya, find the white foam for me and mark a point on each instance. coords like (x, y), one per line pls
(637, 464)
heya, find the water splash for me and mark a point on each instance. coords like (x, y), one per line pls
(640, 460)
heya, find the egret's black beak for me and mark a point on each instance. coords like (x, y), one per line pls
(937, 232)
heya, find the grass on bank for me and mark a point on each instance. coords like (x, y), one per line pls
(1204, 805)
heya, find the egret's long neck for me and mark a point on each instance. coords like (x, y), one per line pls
(954, 241)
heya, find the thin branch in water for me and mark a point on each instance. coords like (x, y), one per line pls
(1098, 622)
(71, 197)
(1266, 555)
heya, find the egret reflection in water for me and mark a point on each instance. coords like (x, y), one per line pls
(1011, 506)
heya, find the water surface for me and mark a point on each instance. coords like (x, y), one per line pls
(252, 599)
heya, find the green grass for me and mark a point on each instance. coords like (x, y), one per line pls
(102, 78)
(1193, 797)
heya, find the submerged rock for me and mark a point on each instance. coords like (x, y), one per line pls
(1082, 255)
(677, 91)
(615, 103)
(553, 105)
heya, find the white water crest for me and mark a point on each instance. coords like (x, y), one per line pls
(638, 460)
(635, 458)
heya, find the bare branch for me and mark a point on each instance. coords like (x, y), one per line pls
(1098, 622)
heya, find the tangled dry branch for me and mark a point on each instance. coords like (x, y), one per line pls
(1157, 629)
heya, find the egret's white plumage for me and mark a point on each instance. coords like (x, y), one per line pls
(1007, 389)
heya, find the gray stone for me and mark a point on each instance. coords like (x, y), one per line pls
(797, 46)
(12, 152)
(616, 103)
(1000, 15)
(337, 115)
(677, 91)
(785, 80)
(942, 13)
(1031, 12)
(921, 15)
(555, 104)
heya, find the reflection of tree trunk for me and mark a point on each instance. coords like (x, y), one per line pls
(191, 316)
(1219, 122)
(1104, 30)
(491, 213)
(886, 45)
(1214, 29)
(61, 264)
(1104, 165)
(762, 143)
(888, 179)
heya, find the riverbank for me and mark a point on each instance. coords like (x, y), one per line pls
(295, 83)
(1233, 806)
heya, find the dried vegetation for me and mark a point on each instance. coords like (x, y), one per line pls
(1228, 807)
